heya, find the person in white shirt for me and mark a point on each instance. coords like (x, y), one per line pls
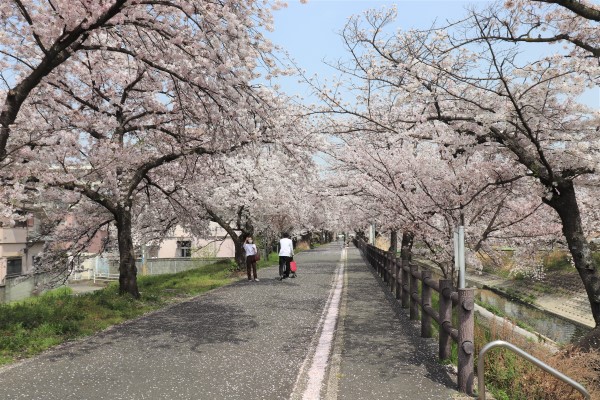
(251, 251)
(286, 253)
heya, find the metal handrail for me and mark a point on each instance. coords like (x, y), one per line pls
(527, 356)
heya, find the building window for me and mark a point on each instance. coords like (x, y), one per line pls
(184, 248)
(14, 267)
(216, 233)
(153, 251)
(21, 224)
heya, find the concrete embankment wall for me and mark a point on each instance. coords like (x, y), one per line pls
(24, 286)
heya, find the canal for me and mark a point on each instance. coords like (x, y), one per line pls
(558, 329)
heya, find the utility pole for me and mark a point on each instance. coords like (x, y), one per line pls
(372, 234)
(459, 255)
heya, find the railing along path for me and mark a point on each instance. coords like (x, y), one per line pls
(403, 279)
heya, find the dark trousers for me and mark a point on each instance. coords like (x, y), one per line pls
(251, 266)
(284, 266)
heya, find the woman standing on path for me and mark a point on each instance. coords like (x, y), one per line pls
(251, 252)
(286, 252)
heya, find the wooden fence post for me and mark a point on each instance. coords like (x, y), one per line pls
(385, 260)
(414, 291)
(392, 270)
(426, 302)
(405, 284)
(372, 258)
(466, 348)
(445, 311)
(398, 280)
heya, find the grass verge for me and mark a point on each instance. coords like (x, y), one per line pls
(510, 377)
(31, 326)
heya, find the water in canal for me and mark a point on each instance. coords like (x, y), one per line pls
(557, 329)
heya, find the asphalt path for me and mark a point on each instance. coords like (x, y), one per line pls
(330, 333)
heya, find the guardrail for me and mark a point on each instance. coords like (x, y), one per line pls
(104, 276)
(403, 279)
(528, 357)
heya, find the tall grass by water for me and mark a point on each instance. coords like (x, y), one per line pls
(510, 377)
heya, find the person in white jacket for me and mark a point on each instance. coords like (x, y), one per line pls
(251, 251)
(286, 253)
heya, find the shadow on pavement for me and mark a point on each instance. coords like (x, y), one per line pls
(190, 325)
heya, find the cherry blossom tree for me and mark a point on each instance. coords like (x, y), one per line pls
(115, 116)
(568, 171)
(261, 188)
(39, 39)
(492, 101)
(408, 169)
(546, 21)
(427, 203)
(120, 156)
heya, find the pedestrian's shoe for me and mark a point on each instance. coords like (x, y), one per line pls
(256, 280)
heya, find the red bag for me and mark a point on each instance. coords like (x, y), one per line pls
(293, 266)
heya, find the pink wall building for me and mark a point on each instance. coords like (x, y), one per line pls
(17, 250)
(183, 244)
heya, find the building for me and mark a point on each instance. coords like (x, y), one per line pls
(17, 248)
(182, 244)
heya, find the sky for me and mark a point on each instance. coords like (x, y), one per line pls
(310, 32)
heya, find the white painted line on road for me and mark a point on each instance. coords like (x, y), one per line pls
(320, 360)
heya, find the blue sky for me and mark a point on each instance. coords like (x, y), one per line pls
(309, 32)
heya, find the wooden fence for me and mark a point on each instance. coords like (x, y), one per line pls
(403, 279)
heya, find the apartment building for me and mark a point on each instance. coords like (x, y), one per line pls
(18, 249)
(182, 244)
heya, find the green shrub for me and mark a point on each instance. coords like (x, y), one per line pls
(519, 276)
(557, 261)
(596, 257)
(500, 395)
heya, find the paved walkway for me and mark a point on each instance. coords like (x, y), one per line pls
(331, 333)
(79, 287)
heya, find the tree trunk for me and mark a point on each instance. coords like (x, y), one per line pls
(307, 238)
(406, 245)
(127, 268)
(565, 204)
(240, 254)
(246, 228)
(394, 241)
